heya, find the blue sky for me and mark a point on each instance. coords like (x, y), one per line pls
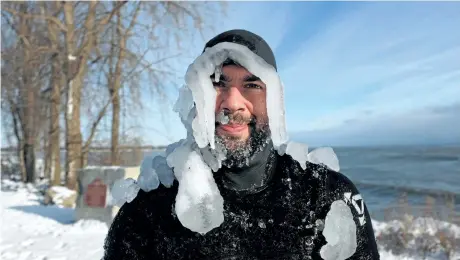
(355, 73)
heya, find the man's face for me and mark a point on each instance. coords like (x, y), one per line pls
(242, 97)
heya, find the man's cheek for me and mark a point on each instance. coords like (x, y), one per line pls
(262, 123)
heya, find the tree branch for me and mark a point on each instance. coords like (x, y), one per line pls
(37, 16)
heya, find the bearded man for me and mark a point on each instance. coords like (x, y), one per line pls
(273, 207)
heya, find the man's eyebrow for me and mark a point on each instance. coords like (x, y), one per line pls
(251, 78)
(222, 77)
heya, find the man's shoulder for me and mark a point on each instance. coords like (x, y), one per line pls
(155, 201)
(315, 170)
(338, 181)
(319, 174)
(334, 183)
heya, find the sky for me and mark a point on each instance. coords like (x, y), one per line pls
(356, 73)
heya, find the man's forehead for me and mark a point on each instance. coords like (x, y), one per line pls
(232, 72)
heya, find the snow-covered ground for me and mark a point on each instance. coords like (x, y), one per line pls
(30, 230)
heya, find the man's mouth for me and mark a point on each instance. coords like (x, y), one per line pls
(232, 129)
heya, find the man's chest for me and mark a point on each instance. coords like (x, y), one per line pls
(281, 227)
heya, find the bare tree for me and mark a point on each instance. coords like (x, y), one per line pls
(63, 53)
(22, 71)
(77, 62)
(137, 53)
(53, 154)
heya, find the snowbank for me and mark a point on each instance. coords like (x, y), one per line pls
(31, 230)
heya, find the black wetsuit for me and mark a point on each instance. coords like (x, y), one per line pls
(273, 210)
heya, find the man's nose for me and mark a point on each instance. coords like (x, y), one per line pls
(233, 100)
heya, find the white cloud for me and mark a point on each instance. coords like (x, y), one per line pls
(386, 57)
(423, 126)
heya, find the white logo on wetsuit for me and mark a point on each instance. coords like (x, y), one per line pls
(358, 204)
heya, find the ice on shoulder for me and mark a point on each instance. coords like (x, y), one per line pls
(322, 155)
(124, 190)
(326, 156)
(340, 233)
(153, 171)
(148, 178)
(199, 205)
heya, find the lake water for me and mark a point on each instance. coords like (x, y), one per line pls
(383, 174)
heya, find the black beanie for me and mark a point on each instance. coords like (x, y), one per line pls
(251, 40)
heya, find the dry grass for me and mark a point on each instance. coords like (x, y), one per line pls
(413, 232)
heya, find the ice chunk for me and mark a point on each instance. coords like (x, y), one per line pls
(170, 148)
(198, 81)
(214, 157)
(340, 233)
(298, 151)
(124, 190)
(282, 149)
(217, 73)
(184, 103)
(176, 158)
(326, 156)
(187, 110)
(164, 172)
(222, 118)
(204, 96)
(148, 178)
(199, 205)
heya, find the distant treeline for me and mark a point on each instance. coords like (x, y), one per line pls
(104, 148)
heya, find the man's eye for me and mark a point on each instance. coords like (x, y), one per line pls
(219, 84)
(252, 85)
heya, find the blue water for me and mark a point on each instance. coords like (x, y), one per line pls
(383, 174)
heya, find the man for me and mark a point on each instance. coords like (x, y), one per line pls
(273, 208)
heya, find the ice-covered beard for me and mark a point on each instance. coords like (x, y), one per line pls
(238, 152)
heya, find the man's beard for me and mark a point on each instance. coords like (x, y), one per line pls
(239, 152)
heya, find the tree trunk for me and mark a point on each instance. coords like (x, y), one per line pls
(114, 88)
(16, 126)
(76, 71)
(29, 106)
(47, 150)
(29, 162)
(115, 129)
(57, 81)
(115, 91)
(22, 165)
(55, 129)
(73, 134)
